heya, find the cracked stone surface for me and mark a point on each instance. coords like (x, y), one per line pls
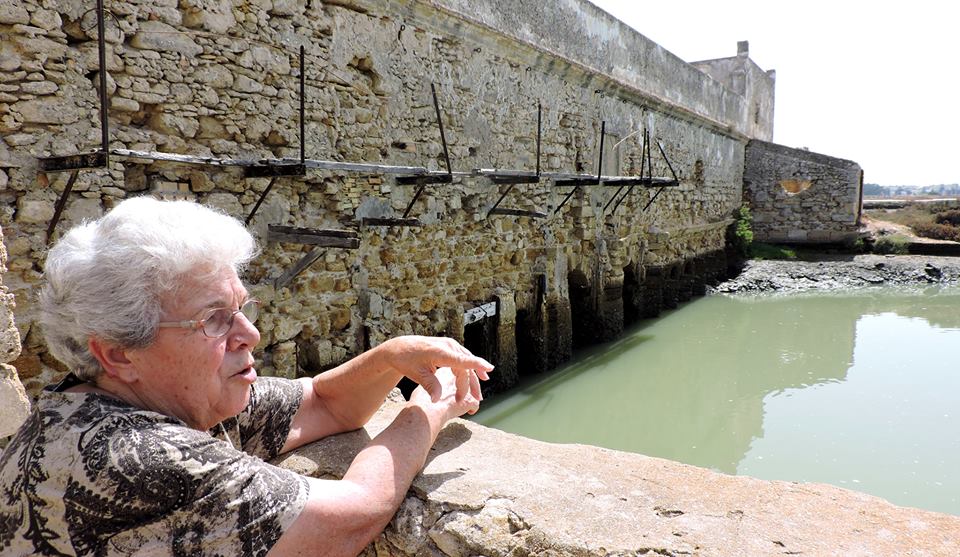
(486, 492)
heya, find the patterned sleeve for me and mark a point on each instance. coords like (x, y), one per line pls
(265, 423)
(165, 489)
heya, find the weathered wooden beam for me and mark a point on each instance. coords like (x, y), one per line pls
(577, 182)
(186, 159)
(423, 179)
(498, 176)
(97, 159)
(273, 170)
(480, 312)
(378, 221)
(516, 213)
(637, 181)
(315, 237)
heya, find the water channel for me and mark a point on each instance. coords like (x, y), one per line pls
(859, 390)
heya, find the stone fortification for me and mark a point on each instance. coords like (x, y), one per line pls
(754, 85)
(220, 79)
(14, 405)
(486, 492)
(797, 196)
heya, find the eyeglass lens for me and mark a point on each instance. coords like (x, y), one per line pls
(220, 320)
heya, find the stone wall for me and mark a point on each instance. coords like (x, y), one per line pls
(756, 86)
(221, 79)
(486, 492)
(801, 197)
(14, 405)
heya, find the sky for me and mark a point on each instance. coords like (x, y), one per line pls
(873, 82)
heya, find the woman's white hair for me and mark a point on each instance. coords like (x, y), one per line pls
(107, 278)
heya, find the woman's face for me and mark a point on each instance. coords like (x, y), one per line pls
(186, 374)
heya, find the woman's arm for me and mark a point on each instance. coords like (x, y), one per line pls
(342, 516)
(345, 397)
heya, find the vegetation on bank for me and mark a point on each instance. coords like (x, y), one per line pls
(945, 222)
(939, 221)
(740, 236)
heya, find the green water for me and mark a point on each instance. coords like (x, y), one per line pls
(859, 390)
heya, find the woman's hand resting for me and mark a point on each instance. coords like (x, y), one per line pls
(419, 358)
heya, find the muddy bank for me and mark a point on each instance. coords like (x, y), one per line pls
(841, 273)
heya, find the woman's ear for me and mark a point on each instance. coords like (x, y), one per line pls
(113, 359)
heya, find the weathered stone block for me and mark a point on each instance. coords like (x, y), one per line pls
(47, 20)
(156, 35)
(215, 16)
(13, 12)
(14, 404)
(34, 211)
(51, 110)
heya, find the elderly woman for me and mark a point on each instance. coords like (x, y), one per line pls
(156, 443)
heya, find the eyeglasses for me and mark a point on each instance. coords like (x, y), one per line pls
(215, 322)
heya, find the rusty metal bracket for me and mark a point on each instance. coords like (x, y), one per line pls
(512, 178)
(61, 203)
(577, 182)
(422, 180)
(322, 239)
(274, 169)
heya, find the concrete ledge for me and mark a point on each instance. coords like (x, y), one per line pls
(485, 492)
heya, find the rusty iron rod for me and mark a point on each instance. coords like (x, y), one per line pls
(259, 201)
(303, 136)
(603, 128)
(539, 113)
(666, 160)
(642, 161)
(102, 53)
(443, 137)
(61, 203)
(497, 204)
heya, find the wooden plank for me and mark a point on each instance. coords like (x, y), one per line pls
(332, 232)
(498, 176)
(186, 159)
(479, 312)
(577, 182)
(97, 159)
(376, 221)
(275, 170)
(424, 179)
(517, 213)
(347, 239)
(515, 179)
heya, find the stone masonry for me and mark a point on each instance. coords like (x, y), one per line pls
(14, 404)
(801, 197)
(220, 79)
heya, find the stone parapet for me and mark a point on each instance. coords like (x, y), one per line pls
(485, 492)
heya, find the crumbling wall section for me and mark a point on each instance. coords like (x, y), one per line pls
(797, 196)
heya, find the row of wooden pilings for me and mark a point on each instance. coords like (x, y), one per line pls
(526, 341)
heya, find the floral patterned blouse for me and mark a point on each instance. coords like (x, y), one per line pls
(88, 474)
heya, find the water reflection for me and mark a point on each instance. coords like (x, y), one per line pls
(813, 388)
